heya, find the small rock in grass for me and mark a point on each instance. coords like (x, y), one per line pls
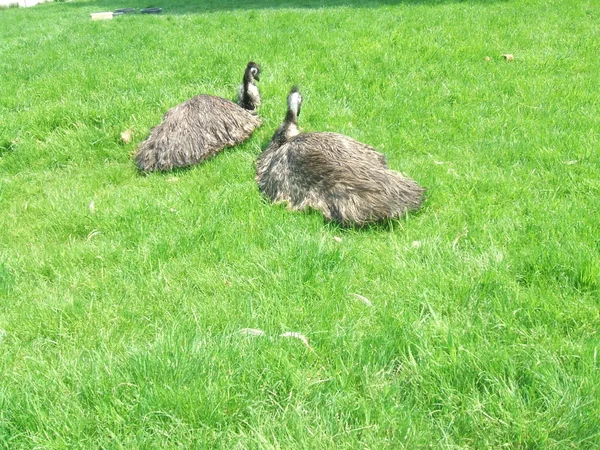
(508, 57)
(363, 299)
(126, 136)
(252, 332)
(487, 58)
(337, 239)
(458, 238)
(93, 233)
(295, 335)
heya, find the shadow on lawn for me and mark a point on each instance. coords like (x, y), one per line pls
(198, 7)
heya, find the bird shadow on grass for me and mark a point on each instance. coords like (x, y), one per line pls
(179, 171)
(184, 7)
(6, 147)
(382, 225)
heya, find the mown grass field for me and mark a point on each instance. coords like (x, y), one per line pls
(122, 296)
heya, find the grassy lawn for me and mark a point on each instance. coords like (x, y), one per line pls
(122, 296)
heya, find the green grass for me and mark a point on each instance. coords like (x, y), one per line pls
(119, 323)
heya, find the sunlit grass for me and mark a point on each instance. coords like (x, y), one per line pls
(122, 295)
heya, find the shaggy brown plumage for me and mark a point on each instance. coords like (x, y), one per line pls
(201, 127)
(349, 182)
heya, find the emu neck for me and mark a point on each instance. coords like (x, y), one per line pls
(247, 78)
(247, 97)
(291, 118)
(287, 130)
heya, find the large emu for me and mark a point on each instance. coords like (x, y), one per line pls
(349, 182)
(201, 127)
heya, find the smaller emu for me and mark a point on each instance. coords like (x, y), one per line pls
(201, 127)
(349, 182)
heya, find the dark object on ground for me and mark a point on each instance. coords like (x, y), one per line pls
(151, 10)
(349, 182)
(201, 127)
(124, 10)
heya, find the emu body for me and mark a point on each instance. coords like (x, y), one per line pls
(348, 181)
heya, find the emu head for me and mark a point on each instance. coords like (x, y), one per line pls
(248, 94)
(252, 72)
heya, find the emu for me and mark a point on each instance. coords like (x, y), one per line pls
(202, 126)
(349, 182)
